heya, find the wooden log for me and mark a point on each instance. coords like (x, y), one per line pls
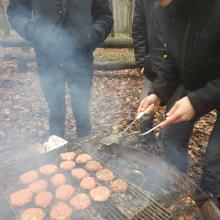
(118, 42)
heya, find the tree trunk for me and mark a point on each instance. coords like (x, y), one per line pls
(4, 26)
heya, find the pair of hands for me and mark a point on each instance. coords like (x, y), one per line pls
(181, 111)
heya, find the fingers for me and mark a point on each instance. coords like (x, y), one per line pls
(144, 104)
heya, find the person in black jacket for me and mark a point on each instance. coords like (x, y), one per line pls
(64, 34)
(189, 81)
(149, 49)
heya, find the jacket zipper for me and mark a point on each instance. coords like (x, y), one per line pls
(184, 48)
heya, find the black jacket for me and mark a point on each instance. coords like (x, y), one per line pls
(191, 31)
(61, 26)
(149, 46)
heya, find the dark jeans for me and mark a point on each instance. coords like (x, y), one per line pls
(53, 79)
(175, 140)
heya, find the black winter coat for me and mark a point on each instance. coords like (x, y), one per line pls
(191, 30)
(61, 26)
(149, 46)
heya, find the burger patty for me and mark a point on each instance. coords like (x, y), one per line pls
(105, 175)
(79, 173)
(43, 199)
(93, 166)
(119, 185)
(33, 214)
(61, 211)
(38, 186)
(48, 169)
(67, 165)
(29, 177)
(88, 183)
(67, 156)
(21, 197)
(58, 179)
(80, 201)
(100, 194)
(65, 192)
(83, 158)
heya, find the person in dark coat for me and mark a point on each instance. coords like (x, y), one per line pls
(64, 34)
(149, 49)
(189, 81)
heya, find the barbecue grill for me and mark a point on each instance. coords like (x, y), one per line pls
(145, 199)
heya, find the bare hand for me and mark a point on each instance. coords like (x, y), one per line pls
(148, 101)
(181, 111)
(142, 70)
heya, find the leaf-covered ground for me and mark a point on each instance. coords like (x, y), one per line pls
(24, 113)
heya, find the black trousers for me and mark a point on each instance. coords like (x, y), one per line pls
(175, 140)
(54, 77)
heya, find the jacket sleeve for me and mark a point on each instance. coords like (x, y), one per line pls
(139, 33)
(167, 79)
(19, 15)
(102, 22)
(206, 99)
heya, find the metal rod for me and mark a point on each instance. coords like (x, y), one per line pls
(152, 129)
(136, 119)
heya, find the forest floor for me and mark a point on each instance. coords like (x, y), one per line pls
(115, 98)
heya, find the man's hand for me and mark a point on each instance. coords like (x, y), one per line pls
(181, 111)
(149, 100)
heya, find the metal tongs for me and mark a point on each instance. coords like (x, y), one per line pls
(139, 116)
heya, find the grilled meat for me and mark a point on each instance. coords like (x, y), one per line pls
(79, 173)
(58, 179)
(93, 166)
(80, 201)
(61, 211)
(67, 165)
(38, 186)
(65, 192)
(119, 185)
(43, 199)
(68, 156)
(83, 158)
(21, 197)
(29, 177)
(105, 175)
(100, 194)
(33, 214)
(88, 183)
(48, 169)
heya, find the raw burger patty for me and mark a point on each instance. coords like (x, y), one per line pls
(61, 211)
(100, 194)
(48, 169)
(65, 192)
(38, 186)
(43, 199)
(80, 201)
(83, 158)
(29, 177)
(93, 165)
(88, 183)
(58, 179)
(79, 173)
(67, 156)
(105, 175)
(33, 214)
(119, 185)
(21, 197)
(67, 165)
